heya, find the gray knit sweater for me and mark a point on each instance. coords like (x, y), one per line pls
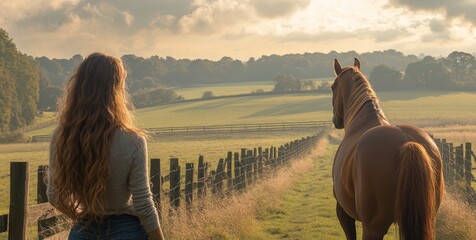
(127, 189)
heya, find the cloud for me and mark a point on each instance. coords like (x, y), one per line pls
(465, 9)
(217, 17)
(113, 14)
(279, 8)
(438, 26)
(201, 28)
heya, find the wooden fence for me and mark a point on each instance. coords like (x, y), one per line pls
(233, 173)
(229, 128)
(20, 213)
(457, 168)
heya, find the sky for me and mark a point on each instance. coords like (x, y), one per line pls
(240, 29)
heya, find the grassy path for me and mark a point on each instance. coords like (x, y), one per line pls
(307, 210)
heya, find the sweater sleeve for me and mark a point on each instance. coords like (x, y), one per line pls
(139, 186)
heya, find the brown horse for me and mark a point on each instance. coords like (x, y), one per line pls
(382, 174)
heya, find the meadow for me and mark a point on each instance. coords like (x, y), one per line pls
(223, 89)
(448, 115)
(226, 89)
(297, 203)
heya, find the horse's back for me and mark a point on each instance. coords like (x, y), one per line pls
(385, 142)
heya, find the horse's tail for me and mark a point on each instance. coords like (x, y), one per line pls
(416, 203)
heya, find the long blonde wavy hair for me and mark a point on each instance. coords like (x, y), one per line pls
(95, 104)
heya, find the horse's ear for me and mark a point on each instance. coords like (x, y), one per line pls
(337, 67)
(357, 63)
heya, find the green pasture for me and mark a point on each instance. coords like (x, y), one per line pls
(227, 89)
(224, 89)
(400, 107)
(186, 148)
(234, 110)
(307, 210)
(423, 108)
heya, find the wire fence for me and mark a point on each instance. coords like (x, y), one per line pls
(176, 187)
(233, 174)
(457, 168)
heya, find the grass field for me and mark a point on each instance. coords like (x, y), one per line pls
(297, 203)
(420, 108)
(307, 209)
(450, 115)
(224, 89)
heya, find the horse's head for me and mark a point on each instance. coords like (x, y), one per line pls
(341, 89)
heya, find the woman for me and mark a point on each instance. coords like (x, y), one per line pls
(98, 171)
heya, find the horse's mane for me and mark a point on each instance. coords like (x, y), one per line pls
(362, 92)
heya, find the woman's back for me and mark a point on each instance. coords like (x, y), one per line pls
(98, 158)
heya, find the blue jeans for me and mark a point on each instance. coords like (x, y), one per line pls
(115, 227)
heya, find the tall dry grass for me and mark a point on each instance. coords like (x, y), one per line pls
(456, 219)
(454, 133)
(234, 217)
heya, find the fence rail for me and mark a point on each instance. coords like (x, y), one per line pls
(229, 128)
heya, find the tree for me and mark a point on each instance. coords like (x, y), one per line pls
(284, 82)
(153, 97)
(20, 77)
(430, 73)
(463, 66)
(309, 85)
(7, 88)
(386, 78)
(207, 94)
(49, 98)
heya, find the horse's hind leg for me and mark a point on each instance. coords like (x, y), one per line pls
(347, 223)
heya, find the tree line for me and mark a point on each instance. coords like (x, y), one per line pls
(19, 86)
(152, 80)
(455, 72)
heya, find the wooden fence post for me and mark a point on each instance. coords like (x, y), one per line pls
(266, 156)
(156, 181)
(459, 155)
(229, 169)
(249, 167)
(255, 164)
(260, 161)
(468, 168)
(451, 163)
(281, 154)
(218, 182)
(188, 185)
(236, 182)
(42, 198)
(201, 177)
(272, 160)
(19, 180)
(174, 183)
(244, 163)
(275, 154)
(444, 157)
(3, 223)
(41, 186)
